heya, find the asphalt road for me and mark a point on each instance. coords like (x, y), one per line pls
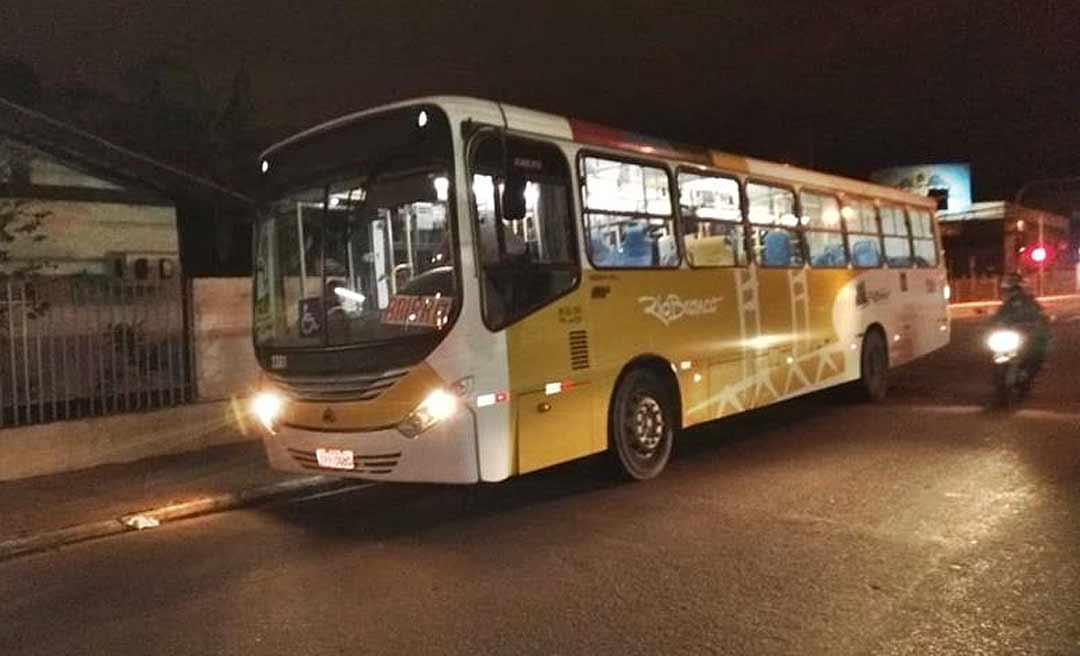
(926, 525)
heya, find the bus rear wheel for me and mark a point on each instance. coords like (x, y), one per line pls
(874, 367)
(642, 426)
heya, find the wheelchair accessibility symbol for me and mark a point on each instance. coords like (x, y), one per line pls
(310, 317)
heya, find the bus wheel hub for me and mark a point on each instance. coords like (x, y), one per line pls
(646, 425)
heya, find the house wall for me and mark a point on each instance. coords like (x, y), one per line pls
(76, 235)
(225, 366)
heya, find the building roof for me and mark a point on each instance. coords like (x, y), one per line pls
(67, 142)
(999, 210)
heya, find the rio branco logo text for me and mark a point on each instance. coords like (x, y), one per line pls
(671, 308)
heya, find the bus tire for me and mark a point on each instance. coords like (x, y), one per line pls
(641, 429)
(873, 367)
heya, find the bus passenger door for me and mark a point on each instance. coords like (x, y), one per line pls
(530, 278)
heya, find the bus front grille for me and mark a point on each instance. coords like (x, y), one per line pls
(373, 464)
(364, 387)
(579, 349)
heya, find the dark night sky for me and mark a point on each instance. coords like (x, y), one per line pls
(842, 86)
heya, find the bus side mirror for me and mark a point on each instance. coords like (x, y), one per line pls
(513, 199)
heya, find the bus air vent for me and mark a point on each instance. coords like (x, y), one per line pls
(365, 387)
(579, 349)
(374, 463)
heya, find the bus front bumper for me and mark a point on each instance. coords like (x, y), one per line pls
(445, 453)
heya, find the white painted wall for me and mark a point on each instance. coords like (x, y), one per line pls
(225, 366)
(78, 234)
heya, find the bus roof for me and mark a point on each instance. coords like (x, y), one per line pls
(592, 134)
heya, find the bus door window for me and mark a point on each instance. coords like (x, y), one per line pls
(864, 237)
(525, 229)
(897, 238)
(823, 231)
(712, 226)
(922, 233)
(628, 214)
(774, 226)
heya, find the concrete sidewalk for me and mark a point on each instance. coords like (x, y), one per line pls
(48, 511)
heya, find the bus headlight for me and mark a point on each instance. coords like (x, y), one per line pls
(438, 405)
(266, 406)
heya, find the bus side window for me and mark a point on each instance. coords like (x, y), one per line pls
(774, 226)
(922, 233)
(864, 237)
(526, 261)
(824, 236)
(712, 229)
(628, 214)
(897, 238)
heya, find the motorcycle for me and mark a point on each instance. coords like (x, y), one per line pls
(1012, 375)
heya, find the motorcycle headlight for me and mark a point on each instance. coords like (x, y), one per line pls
(437, 406)
(1004, 341)
(266, 406)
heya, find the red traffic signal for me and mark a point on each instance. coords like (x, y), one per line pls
(1037, 255)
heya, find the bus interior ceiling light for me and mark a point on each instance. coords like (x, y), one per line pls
(442, 187)
(350, 295)
(266, 406)
(421, 118)
(437, 406)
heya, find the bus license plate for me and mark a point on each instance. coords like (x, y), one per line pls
(335, 458)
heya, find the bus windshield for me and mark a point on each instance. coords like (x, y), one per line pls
(361, 254)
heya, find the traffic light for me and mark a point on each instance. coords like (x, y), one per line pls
(1038, 255)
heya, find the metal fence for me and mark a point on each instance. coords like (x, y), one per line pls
(74, 347)
(988, 288)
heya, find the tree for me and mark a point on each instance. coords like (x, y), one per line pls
(19, 82)
(20, 218)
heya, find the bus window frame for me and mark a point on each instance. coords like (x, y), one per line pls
(473, 134)
(643, 162)
(907, 225)
(842, 230)
(796, 207)
(704, 171)
(854, 198)
(933, 238)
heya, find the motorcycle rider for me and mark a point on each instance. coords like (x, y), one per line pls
(1019, 310)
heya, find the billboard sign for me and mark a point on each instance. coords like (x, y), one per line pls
(950, 184)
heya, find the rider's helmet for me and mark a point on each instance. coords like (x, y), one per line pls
(1012, 283)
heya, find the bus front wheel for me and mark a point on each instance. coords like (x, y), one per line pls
(642, 425)
(874, 367)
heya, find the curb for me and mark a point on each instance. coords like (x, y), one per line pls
(151, 518)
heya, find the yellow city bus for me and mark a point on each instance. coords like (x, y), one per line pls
(456, 290)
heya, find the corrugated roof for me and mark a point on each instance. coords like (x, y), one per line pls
(68, 142)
